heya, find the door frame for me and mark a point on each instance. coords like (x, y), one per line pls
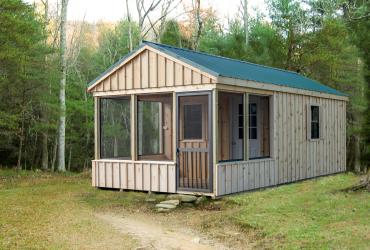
(210, 140)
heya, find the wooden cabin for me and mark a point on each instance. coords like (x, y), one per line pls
(173, 120)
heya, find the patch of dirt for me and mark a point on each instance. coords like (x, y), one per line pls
(157, 234)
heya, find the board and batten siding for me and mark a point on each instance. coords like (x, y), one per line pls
(242, 176)
(134, 175)
(150, 69)
(294, 155)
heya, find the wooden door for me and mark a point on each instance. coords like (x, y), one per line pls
(194, 142)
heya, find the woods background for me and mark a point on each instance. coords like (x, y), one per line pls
(40, 51)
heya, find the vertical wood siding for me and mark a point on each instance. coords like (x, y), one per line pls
(151, 70)
(241, 176)
(298, 157)
(295, 156)
(134, 175)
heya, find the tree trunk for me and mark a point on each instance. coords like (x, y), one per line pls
(44, 115)
(54, 154)
(21, 139)
(129, 27)
(245, 17)
(357, 154)
(62, 92)
(69, 159)
(198, 25)
(45, 152)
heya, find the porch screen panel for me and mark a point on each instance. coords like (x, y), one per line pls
(193, 121)
(149, 127)
(259, 127)
(115, 128)
(231, 126)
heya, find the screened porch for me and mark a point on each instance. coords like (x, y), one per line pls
(175, 142)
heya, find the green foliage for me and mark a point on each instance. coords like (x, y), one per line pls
(171, 34)
(114, 44)
(22, 77)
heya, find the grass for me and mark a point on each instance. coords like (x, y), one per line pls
(56, 211)
(44, 211)
(311, 214)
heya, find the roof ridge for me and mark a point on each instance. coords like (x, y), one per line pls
(223, 57)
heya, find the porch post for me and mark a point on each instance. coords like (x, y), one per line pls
(246, 126)
(215, 139)
(133, 127)
(174, 127)
(97, 127)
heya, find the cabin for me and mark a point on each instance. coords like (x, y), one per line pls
(174, 120)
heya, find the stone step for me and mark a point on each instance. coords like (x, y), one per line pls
(182, 197)
(168, 206)
(172, 202)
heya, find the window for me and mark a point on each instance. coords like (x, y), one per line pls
(115, 128)
(252, 121)
(315, 122)
(240, 121)
(192, 121)
(154, 127)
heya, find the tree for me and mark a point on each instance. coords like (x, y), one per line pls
(146, 8)
(171, 34)
(62, 93)
(358, 21)
(22, 79)
(198, 21)
(245, 20)
(129, 27)
(290, 19)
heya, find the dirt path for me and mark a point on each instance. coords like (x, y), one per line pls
(156, 235)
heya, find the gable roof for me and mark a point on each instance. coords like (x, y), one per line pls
(232, 68)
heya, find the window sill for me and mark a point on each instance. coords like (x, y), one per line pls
(315, 139)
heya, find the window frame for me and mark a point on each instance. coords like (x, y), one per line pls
(201, 122)
(205, 115)
(309, 122)
(99, 114)
(250, 127)
(160, 129)
(162, 98)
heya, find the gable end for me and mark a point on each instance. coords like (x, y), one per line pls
(150, 68)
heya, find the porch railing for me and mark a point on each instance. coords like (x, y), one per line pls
(193, 168)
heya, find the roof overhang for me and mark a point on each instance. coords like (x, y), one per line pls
(277, 88)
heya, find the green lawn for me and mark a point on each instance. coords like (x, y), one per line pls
(311, 214)
(44, 211)
(53, 211)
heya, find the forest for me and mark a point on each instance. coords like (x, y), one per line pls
(47, 61)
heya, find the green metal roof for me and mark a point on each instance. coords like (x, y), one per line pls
(227, 67)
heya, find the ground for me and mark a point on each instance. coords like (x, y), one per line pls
(62, 211)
